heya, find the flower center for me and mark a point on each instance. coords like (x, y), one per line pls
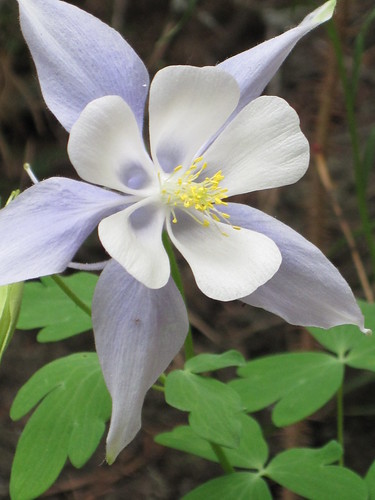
(187, 193)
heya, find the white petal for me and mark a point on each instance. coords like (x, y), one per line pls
(79, 58)
(262, 147)
(254, 68)
(307, 290)
(187, 106)
(224, 266)
(138, 331)
(133, 238)
(106, 148)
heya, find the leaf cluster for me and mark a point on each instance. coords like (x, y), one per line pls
(71, 406)
(295, 386)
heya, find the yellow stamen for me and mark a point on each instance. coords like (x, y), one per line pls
(188, 193)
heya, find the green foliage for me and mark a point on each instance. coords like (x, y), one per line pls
(10, 303)
(46, 306)
(211, 362)
(308, 472)
(252, 452)
(352, 348)
(236, 486)
(299, 383)
(370, 481)
(214, 407)
(69, 421)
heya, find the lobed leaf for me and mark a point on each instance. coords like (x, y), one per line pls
(210, 362)
(214, 407)
(353, 348)
(299, 384)
(339, 340)
(370, 481)
(308, 472)
(252, 452)
(69, 421)
(236, 486)
(47, 307)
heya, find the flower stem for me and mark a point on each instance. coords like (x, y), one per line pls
(158, 388)
(188, 346)
(340, 421)
(69, 292)
(221, 456)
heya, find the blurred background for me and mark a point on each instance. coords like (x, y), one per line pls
(204, 32)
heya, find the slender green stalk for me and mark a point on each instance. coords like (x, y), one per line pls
(170, 31)
(340, 421)
(69, 292)
(360, 175)
(188, 346)
(221, 456)
(179, 25)
(157, 387)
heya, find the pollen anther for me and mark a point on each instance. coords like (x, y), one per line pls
(189, 193)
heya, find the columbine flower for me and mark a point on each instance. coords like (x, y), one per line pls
(182, 191)
(211, 137)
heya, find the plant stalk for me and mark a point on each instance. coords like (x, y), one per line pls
(69, 292)
(188, 345)
(340, 421)
(221, 456)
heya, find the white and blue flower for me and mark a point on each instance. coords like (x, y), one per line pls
(211, 137)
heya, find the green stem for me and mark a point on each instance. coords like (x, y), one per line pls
(221, 456)
(188, 346)
(158, 388)
(179, 25)
(360, 179)
(340, 421)
(69, 292)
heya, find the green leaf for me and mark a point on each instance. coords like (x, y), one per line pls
(362, 356)
(307, 472)
(252, 452)
(352, 347)
(342, 339)
(213, 405)
(301, 383)
(69, 421)
(370, 481)
(236, 486)
(210, 362)
(10, 304)
(46, 306)
(338, 340)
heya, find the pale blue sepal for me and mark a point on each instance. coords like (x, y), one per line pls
(79, 58)
(254, 68)
(43, 227)
(138, 331)
(307, 289)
